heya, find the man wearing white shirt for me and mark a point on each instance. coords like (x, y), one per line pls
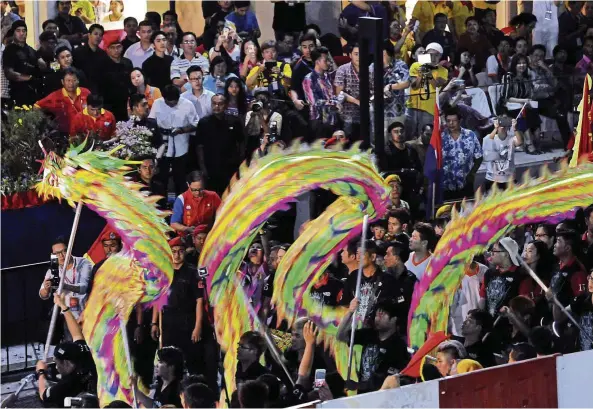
(200, 97)
(189, 59)
(177, 119)
(421, 243)
(140, 51)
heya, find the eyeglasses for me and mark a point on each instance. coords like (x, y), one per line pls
(497, 251)
(60, 253)
(195, 190)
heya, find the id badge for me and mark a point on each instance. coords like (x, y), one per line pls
(275, 86)
(74, 303)
(548, 15)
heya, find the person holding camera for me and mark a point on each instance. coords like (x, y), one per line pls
(74, 363)
(272, 74)
(262, 121)
(76, 277)
(426, 76)
(499, 152)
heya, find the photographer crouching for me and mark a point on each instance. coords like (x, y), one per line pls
(73, 361)
(76, 281)
(263, 125)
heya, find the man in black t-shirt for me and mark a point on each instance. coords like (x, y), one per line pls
(476, 325)
(183, 316)
(74, 363)
(384, 352)
(71, 28)
(374, 286)
(250, 349)
(328, 290)
(91, 59)
(21, 67)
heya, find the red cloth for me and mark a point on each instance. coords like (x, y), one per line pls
(21, 200)
(96, 252)
(62, 107)
(578, 280)
(175, 242)
(103, 126)
(414, 368)
(530, 289)
(200, 210)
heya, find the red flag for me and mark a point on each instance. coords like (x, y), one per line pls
(582, 141)
(96, 252)
(414, 368)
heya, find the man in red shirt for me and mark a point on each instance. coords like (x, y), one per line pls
(194, 207)
(93, 120)
(67, 102)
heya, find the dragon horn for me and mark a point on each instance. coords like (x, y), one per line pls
(42, 148)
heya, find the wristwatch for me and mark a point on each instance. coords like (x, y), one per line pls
(39, 373)
(65, 310)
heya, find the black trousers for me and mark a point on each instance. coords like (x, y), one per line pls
(176, 167)
(466, 192)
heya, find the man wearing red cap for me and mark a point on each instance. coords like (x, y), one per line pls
(111, 242)
(199, 238)
(183, 317)
(194, 207)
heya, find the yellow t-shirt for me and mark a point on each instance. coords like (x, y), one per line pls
(460, 13)
(86, 8)
(424, 12)
(482, 5)
(406, 48)
(426, 104)
(262, 80)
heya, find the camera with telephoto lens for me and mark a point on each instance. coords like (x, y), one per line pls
(166, 133)
(71, 402)
(54, 268)
(257, 106)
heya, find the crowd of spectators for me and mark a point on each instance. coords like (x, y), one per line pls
(214, 99)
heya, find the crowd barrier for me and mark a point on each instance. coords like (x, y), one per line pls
(559, 381)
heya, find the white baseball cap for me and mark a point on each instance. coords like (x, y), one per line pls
(512, 248)
(434, 46)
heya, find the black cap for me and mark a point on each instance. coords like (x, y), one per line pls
(19, 23)
(69, 351)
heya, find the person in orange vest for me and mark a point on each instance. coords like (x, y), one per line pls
(195, 206)
(93, 120)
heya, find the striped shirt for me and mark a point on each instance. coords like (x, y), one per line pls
(180, 65)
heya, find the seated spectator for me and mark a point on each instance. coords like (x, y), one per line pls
(131, 29)
(244, 20)
(271, 73)
(194, 207)
(251, 347)
(521, 352)
(91, 59)
(71, 28)
(462, 156)
(422, 242)
(448, 355)
(465, 68)
(497, 65)
(234, 92)
(476, 325)
(214, 82)
(396, 79)
(488, 27)
(476, 43)
(141, 87)
(383, 351)
(403, 40)
(198, 395)
(502, 280)
(139, 52)
(189, 58)
(249, 58)
(228, 46)
(93, 121)
(424, 80)
(177, 120)
(261, 120)
(67, 102)
(438, 35)
(200, 97)
(499, 154)
(74, 363)
(21, 66)
(76, 279)
(116, 76)
(521, 46)
(157, 67)
(521, 315)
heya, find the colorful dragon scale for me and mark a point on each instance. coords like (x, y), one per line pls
(270, 184)
(140, 273)
(551, 197)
